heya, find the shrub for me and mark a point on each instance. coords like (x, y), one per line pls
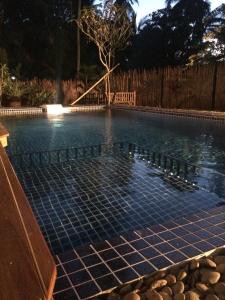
(37, 94)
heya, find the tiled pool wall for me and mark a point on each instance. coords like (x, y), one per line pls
(211, 115)
(188, 113)
(39, 111)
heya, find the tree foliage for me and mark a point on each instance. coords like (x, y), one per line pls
(39, 37)
(170, 36)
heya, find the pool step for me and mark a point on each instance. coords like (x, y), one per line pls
(91, 270)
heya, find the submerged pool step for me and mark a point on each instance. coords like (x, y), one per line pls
(168, 164)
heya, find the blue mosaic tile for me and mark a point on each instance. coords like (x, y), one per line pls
(89, 200)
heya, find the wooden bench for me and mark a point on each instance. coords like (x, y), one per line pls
(127, 98)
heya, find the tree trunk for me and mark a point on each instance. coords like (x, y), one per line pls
(108, 79)
(78, 41)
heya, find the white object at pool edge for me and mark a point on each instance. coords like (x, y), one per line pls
(55, 109)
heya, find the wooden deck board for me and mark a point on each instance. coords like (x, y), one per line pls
(27, 268)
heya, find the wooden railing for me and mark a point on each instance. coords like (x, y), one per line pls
(27, 268)
(128, 98)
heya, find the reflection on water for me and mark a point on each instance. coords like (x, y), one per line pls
(201, 142)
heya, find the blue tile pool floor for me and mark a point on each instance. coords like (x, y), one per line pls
(88, 200)
(91, 270)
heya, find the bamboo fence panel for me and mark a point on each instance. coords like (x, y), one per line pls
(220, 88)
(175, 87)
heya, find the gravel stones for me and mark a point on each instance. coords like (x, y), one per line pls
(113, 296)
(202, 288)
(171, 279)
(220, 259)
(125, 289)
(178, 287)
(220, 288)
(210, 277)
(179, 297)
(220, 268)
(190, 295)
(153, 295)
(165, 296)
(132, 296)
(194, 264)
(181, 275)
(167, 290)
(211, 297)
(158, 284)
(207, 263)
(202, 279)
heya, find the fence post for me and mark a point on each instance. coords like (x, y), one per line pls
(162, 89)
(129, 84)
(213, 103)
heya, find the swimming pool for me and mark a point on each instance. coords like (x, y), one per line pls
(200, 141)
(87, 200)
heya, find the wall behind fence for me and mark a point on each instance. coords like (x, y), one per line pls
(199, 87)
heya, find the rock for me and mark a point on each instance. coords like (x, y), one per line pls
(113, 296)
(194, 264)
(220, 288)
(210, 277)
(220, 259)
(171, 279)
(186, 268)
(222, 278)
(196, 274)
(153, 295)
(132, 296)
(167, 290)
(158, 284)
(212, 297)
(160, 274)
(178, 287)
(208, 263)
(148, 281)
(139, 284)
(193, 278)
(165, 296)
(181, 275)
(196, 292)
(125, 289)
(186, 287)
(190, 295)
(143, 296)
(144, 288)
(179, 297)
(201, 287)
(221, 268)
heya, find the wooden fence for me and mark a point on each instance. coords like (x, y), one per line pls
(199, 87)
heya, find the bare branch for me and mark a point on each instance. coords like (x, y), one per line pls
(109, 28)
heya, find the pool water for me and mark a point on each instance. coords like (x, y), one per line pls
(86, 200)
(89, 200)
(201, 142)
